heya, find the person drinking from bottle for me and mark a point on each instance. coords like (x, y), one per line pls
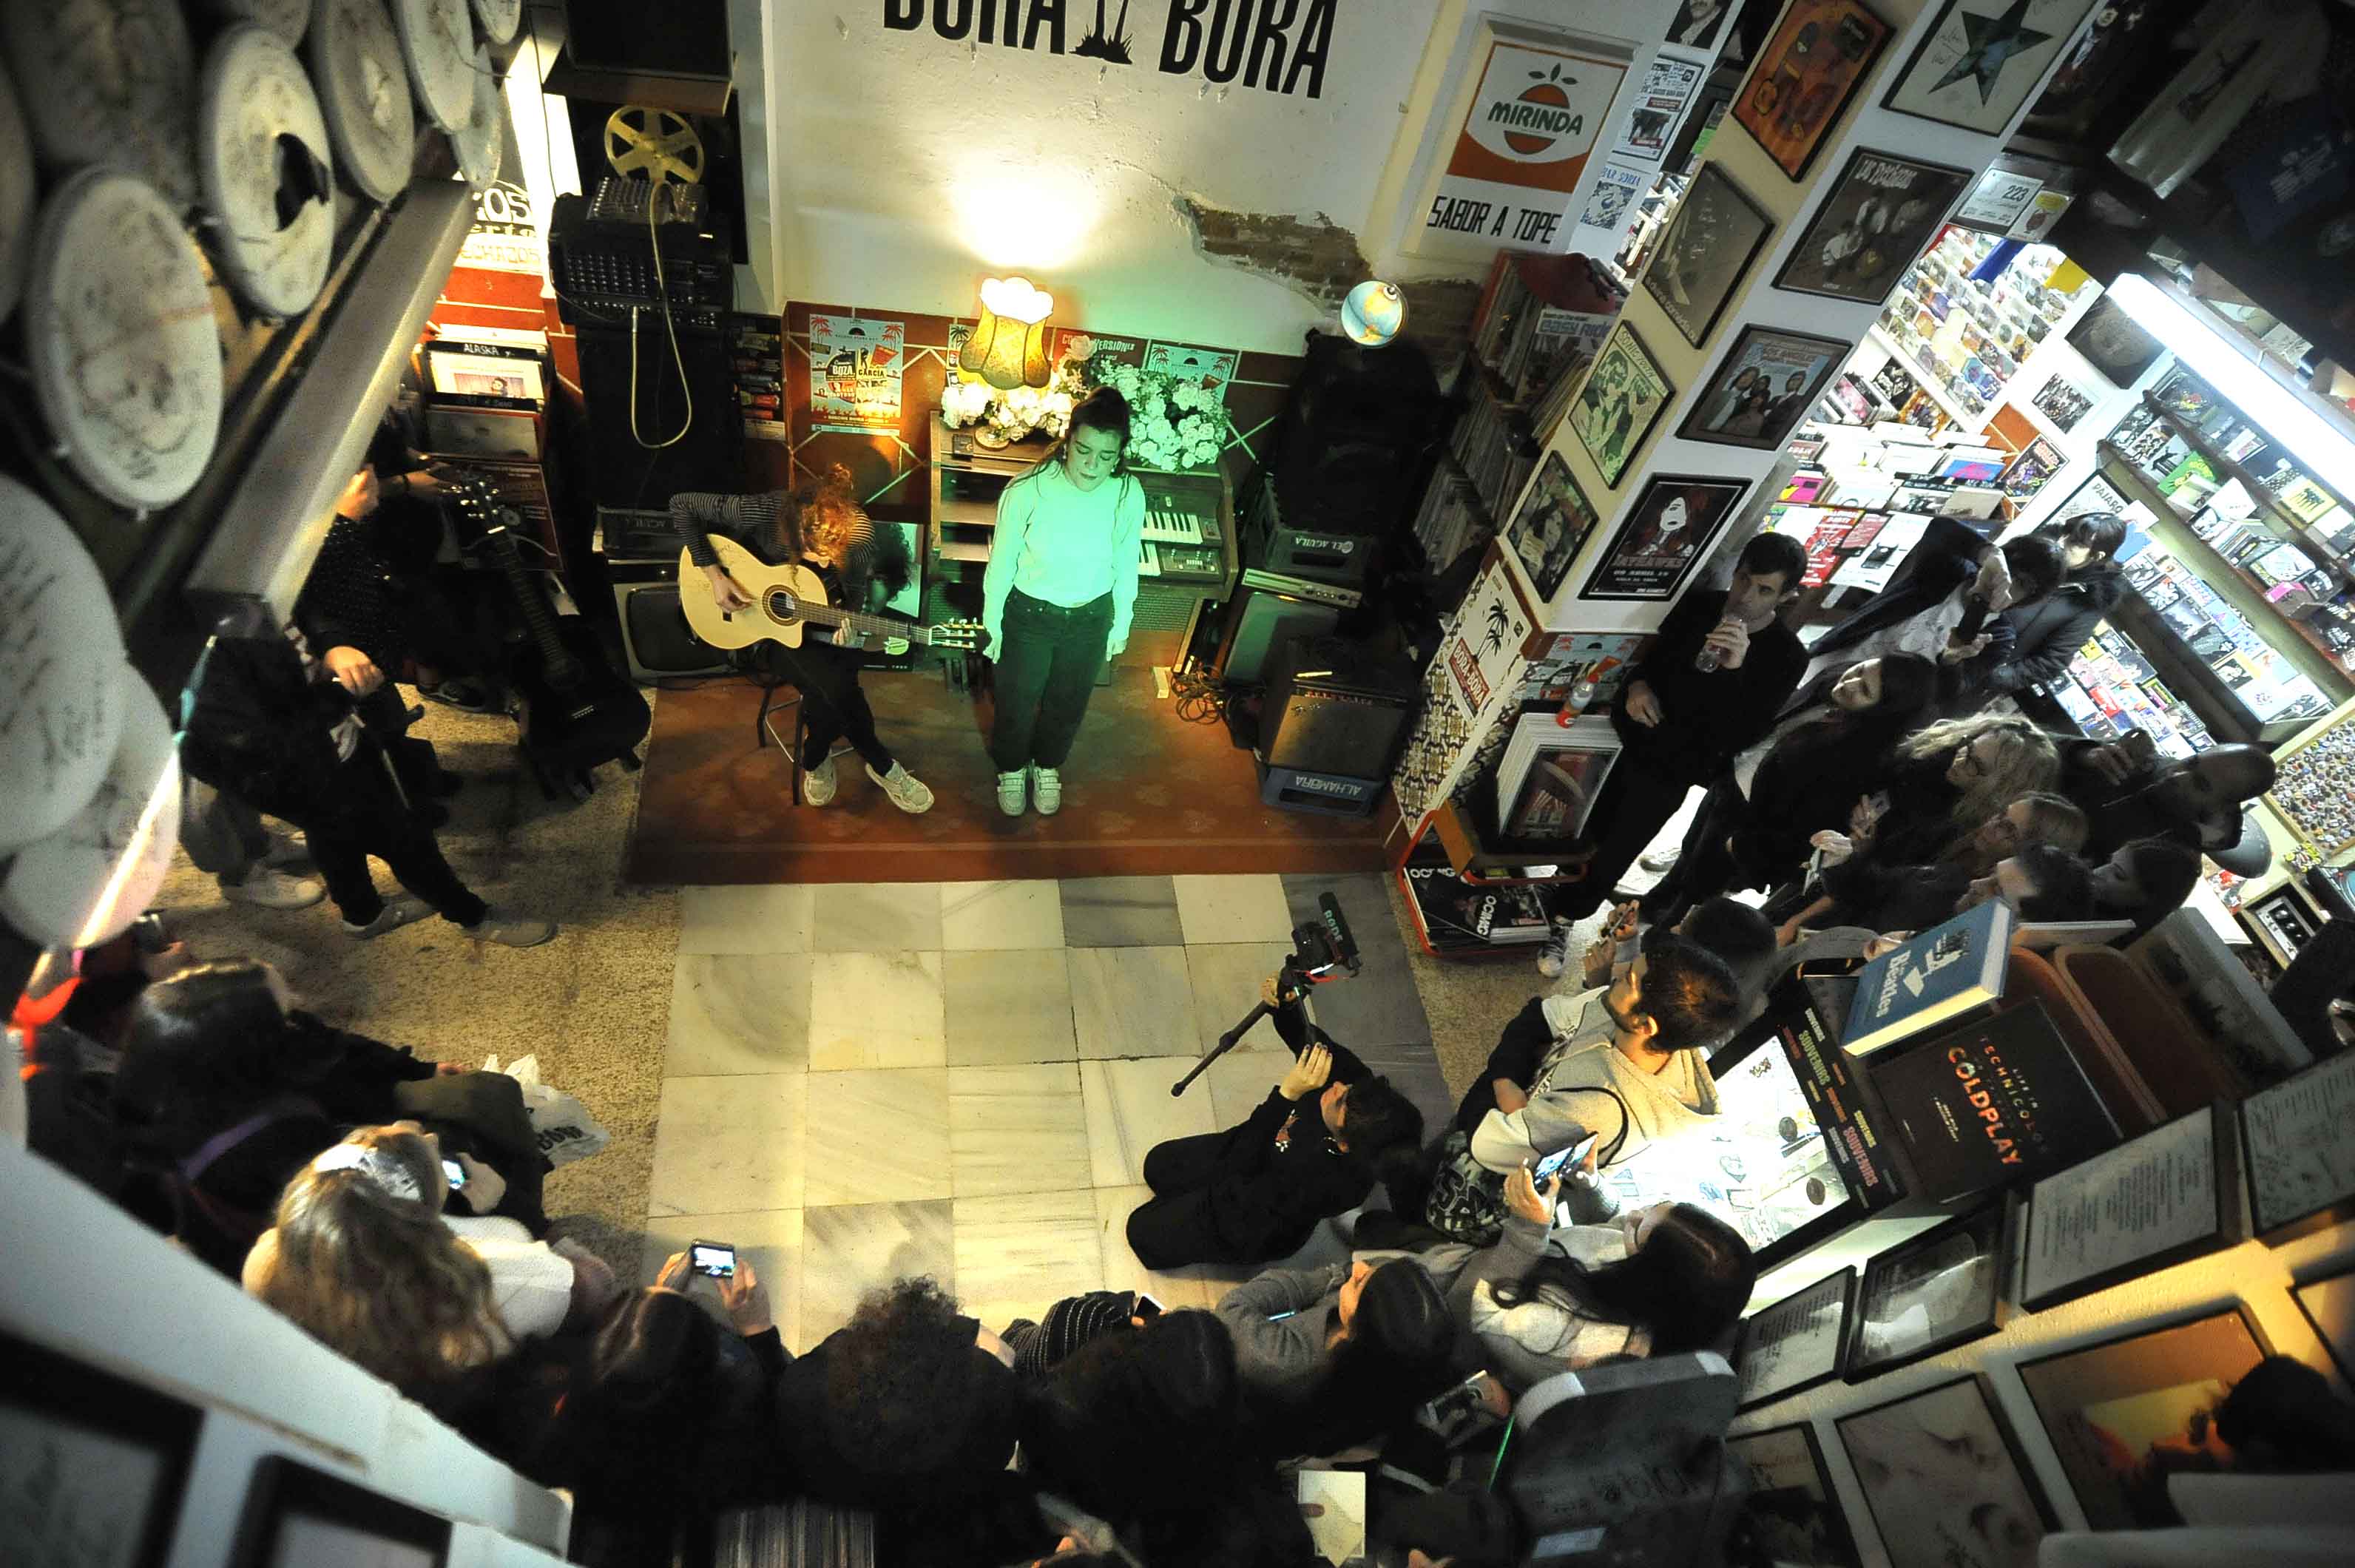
(1709, 684)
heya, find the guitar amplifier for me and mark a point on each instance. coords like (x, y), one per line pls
(656, 638)
(1320, 552)
(1336, 708)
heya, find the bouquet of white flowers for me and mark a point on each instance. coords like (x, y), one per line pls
(1174, 424)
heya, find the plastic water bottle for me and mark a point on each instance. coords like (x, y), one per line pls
(1707, 660)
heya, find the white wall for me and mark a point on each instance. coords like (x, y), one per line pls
(85, 1279)
(2251, 1275)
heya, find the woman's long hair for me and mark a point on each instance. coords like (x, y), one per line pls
(1909, 688)
(2025, 761)
(1137, 1424)
(1394, 1356)
(2052, 819)
(817, 519)
(1685, 1286)
(202, 1049)
(378, 1276)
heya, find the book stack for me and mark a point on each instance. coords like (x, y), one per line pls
(1996, 1102)
(1454, 915)
(1940, 975)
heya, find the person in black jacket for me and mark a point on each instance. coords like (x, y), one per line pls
(1752, 831)
(2043, 635)
(1679, 725)
(1922, 608)
(1255, 1192)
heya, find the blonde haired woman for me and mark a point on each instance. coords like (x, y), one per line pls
(364, 1259)
(1947, 779)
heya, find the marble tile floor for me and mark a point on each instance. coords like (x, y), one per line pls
(962, 1079)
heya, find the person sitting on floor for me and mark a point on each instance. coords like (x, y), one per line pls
(654, 1421)
(1335, 1357)
(225, 1088)
(365, 1258)
(909, 1410)
(1625, 1065)
(1547, 1299)
(1313, 1149)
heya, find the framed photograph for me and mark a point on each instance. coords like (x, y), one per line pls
(1928, 1294)
(1981, 59)
(1792, 1513)
(1881, 213)
(1807, 73)
(1667, 534)
(1763, 387)
(1551, 527)
(2171, 1194)
(2113, 343)
(1939, 1466)
(91, 1467)
(1711, 241)
(296, 1517)
(1619, 403)
(1796, 1343)
(2062, 403)
(2293, 1135)
(2329, 1305)
(1696, 22)
(2127, 1413)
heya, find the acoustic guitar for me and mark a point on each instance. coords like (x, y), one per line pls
(573, 710)
(787, 599)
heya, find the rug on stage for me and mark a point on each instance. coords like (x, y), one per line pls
(1144, 794)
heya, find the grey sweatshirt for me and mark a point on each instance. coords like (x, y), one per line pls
(1566, 1104)
(1283, 1354)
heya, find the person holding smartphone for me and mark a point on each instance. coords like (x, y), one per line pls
(1315, 1147)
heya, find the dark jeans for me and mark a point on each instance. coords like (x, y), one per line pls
(222, 834)
(1515, 1059)
(1638, 802)
(1705, 867)
(833, 705)
(369, 817)
(1047, 661)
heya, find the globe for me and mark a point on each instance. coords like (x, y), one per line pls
(1373, 312)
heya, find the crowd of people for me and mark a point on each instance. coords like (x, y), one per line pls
(1872, 779)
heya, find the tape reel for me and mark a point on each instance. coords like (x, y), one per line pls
(649, 143)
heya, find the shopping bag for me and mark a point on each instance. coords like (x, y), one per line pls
(563, 1125)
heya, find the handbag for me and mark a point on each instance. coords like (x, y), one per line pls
(1466, 1201)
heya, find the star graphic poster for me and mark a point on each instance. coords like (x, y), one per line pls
(1983, 60)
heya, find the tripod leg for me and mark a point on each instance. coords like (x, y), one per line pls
(1226, 1043)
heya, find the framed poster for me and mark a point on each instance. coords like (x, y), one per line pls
(1807, 73)
(1668, 84)
(1928, 1294)
(2126, 1414)
(1882, 211)
(91, 1467)
(2062, 403)
(296, 1517)
(1763, 387)
(2301, 1165)
(1791, 1511)
(1981, 59)
(1666, 533)
(2169, 1195)
(1696, 22)
(1709, 245)
(2329, 1305)
(2113, 342)
(1619, 402)
(1553, 526)
(1939, 1467)
(1797, 1342)
(2038, 462)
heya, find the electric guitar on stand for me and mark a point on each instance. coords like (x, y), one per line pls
(787, 600)
(573, 711)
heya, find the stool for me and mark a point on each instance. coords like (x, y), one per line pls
(765, 729)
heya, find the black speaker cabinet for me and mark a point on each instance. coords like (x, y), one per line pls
(1357, 437)
(623, 470)
(1259, 623)
(1331, 708)
(656, 638)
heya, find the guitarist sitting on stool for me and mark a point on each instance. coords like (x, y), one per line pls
(819, 524)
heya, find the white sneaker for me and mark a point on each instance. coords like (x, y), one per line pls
(399, 910)
(265, 888)
(1014, 791)
(819, 783)
(1661, 860)
(1047, 791)
(288, 851)
(1554, 956)
(908, 791)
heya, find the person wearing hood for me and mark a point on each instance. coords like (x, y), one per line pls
(2047, 633)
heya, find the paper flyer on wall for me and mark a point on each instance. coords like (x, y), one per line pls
(1210, 369)
(854, 369)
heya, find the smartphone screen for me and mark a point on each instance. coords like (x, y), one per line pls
(1562, 1160)
(713, 1258)
(1146, 1307)
(455, 1172)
